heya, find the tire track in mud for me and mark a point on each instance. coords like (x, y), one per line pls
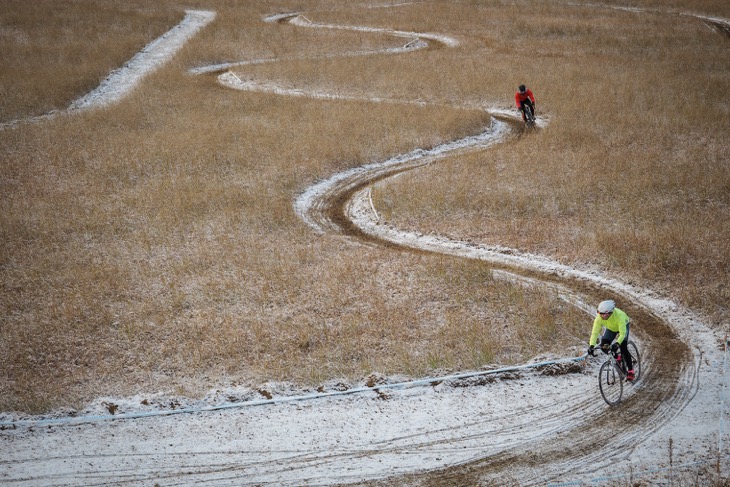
(291, 464)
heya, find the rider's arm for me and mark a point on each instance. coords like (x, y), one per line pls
(532, 97)
(623, 320)
(596, 331)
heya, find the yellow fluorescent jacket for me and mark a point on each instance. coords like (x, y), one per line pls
(616, 322)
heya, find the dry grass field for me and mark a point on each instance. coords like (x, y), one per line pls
(152, 245)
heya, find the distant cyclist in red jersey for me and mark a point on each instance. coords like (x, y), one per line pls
(523, 98)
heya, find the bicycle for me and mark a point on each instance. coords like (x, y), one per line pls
(613, 372)
(529, 116)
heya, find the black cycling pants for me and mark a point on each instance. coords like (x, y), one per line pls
(528, 103)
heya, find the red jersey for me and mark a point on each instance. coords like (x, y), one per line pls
(520, 97)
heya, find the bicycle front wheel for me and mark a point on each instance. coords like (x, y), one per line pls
(610, 383)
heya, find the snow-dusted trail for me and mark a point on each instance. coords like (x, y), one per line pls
(122, 81)
(531, 427)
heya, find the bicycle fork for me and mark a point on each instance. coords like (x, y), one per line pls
(610, 377)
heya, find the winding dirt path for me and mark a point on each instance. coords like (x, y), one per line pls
(521, 427)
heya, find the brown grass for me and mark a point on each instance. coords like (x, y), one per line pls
(152, 245)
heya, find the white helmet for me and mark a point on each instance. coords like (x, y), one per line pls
(606, 306)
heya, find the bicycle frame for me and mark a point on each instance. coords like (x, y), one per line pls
(615, 357)
(529, 116)
(613, 372)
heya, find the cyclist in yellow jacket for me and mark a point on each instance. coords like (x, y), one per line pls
(616, 323)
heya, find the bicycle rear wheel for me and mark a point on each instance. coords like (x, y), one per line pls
(636, 359)
(610, 383)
